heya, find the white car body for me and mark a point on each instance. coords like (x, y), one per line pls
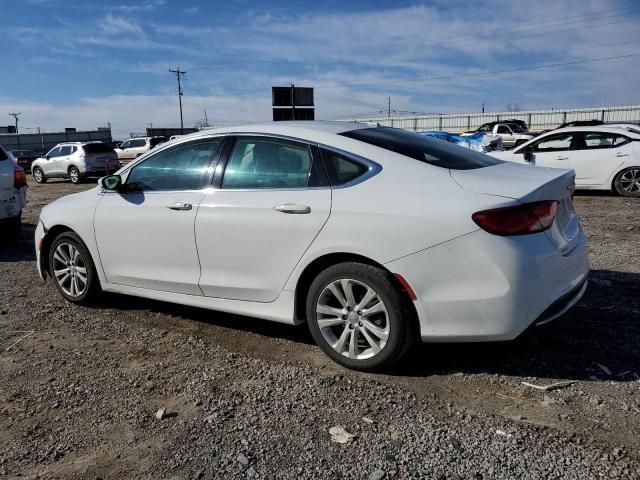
(12, 200)
(596, 166)
(61, 159)
(236, 251)
(134, 147)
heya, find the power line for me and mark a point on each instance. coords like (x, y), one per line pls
(178, 74)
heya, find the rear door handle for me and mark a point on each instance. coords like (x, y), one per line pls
(620, 154)
(293, 209)
(562, 158)
(179, 206)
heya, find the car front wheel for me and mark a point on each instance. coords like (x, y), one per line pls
(359, 317)
(627, 182)
(72, 269)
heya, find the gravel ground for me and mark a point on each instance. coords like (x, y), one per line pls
(133, 388)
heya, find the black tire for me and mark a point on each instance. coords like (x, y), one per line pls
(92, 286)
(519, 142)
(12, 227)
(74, 175)
(399, 316)
(627, 182)
(38, 175)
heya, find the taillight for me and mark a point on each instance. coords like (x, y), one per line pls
(520, 220)
(19, 177)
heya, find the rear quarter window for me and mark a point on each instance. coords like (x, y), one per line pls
(435, 152)
(97, 148)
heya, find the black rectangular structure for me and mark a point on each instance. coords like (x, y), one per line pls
(292, 103)
(302, 113)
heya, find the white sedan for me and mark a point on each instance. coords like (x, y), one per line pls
(603, 157)
(373, 236)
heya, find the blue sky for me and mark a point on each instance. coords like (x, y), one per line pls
(83, 64)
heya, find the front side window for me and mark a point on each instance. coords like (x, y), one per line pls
(503, 129)
(183, 167)
(54, 152)
(137, 143)
(554, 143)
(598, 140)
(259, 162)
(425, 149)
(124, 145)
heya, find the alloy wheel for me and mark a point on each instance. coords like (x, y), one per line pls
(74, 175)
(37, 174)
(70, 269)
(630, 181)
(353, 319)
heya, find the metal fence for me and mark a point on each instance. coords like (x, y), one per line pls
(536, 119)
(43, 142)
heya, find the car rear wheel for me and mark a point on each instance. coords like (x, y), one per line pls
(72, 269)
(38, 175)
(627, 182)
(74, 175)
(358, 317)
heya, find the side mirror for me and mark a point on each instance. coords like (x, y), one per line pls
(112, 182)
(528, 155)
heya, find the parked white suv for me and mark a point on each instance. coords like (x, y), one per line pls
(75, 161)
(13, 195)
(134, 147)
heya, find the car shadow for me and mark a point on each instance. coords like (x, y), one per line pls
(21, 249)
(602, 329)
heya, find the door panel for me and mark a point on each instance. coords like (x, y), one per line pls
(554, 151)
(143, 242)
(598, 157)
(247, 247)
(253, 230)
(146, 237)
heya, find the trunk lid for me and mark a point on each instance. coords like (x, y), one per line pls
(527, 184)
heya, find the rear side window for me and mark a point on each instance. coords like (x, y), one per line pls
(342, 170)
(424, 149)
(97, 148)
(598, 140)
(3, 155)
(155, 141)
(258, 162)
(66, 150)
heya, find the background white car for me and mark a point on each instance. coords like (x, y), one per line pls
(13, 195)
(134, 147)
(375, 236)
(75, 161)
(603, 157)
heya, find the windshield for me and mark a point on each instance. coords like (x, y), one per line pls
(424, 149)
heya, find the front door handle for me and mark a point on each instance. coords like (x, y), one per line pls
(620, 154)
(293, 209)
(562, 158)
(179, 206)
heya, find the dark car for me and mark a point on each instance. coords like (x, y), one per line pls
(581, 123)
(487, 127)
(24, 158)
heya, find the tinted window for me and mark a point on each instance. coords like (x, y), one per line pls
(598, 140)
(97, 148)
(424, 149)
(179, 168)
(620, 140)
(258, 162)
(503, 129)
(124, 145)
(341, 169)
(554, 143)
(137, 143)
(3, 155)
(66, 150)
(155, 141)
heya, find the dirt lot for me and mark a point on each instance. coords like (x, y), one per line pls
(249, 399)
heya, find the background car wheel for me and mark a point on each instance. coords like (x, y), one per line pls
(74, 175)
(359, 318)
(11, 228)
(627, 182)
(38, 175)
(72, 269)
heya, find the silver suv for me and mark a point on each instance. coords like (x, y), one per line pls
(76, 161)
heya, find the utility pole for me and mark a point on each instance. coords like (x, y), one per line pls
(206, 120)
(483, 108)
(16, 115)
(389, 110)
(178, 74)
(293, 102)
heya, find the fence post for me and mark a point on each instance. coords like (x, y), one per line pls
(564, 117)
(602, 118)
(468, 122)
(529, 120)
(440, 122)
(415, 124)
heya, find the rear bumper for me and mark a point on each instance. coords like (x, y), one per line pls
(482, 287)
(11, 206)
